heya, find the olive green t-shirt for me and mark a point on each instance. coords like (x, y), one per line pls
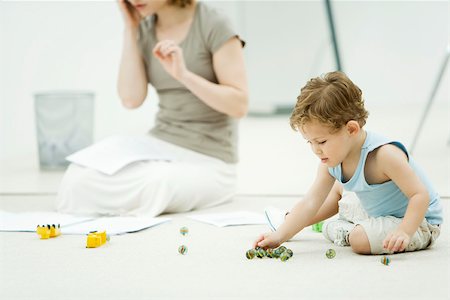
(183, 119)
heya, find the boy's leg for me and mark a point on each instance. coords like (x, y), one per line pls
(338, 231)
(359, 241)
(335, 230)
(367, 237)
(350, 208)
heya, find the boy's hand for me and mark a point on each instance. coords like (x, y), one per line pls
(268, 240)
(396, 241)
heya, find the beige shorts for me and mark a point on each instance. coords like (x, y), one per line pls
(378, 228)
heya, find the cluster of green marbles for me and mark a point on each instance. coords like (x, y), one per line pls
(281, 252)
(385, 260)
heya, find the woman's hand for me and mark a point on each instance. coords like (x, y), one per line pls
(130, 15)
(268, 240)
(170, 55)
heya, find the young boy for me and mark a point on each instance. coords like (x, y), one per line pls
(404, 210)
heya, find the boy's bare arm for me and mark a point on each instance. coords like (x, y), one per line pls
(303, 212)
(393, 162)
(330, 207)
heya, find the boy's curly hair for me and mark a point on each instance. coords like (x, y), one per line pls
(332, 99)
(180, 3)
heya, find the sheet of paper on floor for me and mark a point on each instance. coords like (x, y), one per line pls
(28, 221)
(114, 225)
(231, 218)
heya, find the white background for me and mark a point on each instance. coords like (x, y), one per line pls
(391, 49)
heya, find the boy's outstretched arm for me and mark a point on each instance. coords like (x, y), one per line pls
(302, 213)
(393, 162)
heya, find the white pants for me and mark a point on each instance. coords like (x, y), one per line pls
(377, 228)
(149, 188)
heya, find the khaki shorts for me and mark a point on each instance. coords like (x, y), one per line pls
(378, 228)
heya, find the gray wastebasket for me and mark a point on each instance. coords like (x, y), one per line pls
(64, 125)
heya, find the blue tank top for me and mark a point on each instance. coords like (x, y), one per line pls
(386, 199)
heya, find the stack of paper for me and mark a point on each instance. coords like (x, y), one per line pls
(112, 154)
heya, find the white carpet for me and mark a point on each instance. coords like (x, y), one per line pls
(146, 265)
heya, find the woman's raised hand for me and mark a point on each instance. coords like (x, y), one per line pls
(130, 15)
(171, 57)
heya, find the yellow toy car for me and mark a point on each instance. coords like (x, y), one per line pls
(48, 231)
(96, 239)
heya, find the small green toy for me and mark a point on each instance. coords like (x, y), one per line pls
(317, 227)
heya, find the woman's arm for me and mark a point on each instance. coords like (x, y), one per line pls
(132, 79)
(230, 95)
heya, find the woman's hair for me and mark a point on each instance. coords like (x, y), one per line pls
(332, 99)
(180, 3)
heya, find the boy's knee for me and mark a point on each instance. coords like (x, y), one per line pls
(359, 241)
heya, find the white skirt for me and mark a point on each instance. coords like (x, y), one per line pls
(149, 188)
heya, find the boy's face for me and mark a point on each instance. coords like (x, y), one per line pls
(330, 146)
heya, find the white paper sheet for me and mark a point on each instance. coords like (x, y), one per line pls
(114, 225)
(231, 219)
(113, 153)
(28, 221)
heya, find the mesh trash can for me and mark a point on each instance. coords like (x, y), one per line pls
(64, 125)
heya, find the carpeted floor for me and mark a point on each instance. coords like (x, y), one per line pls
(146, 265)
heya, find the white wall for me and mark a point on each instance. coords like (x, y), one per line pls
(61, 46)
(394, 49)
(391, 49)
